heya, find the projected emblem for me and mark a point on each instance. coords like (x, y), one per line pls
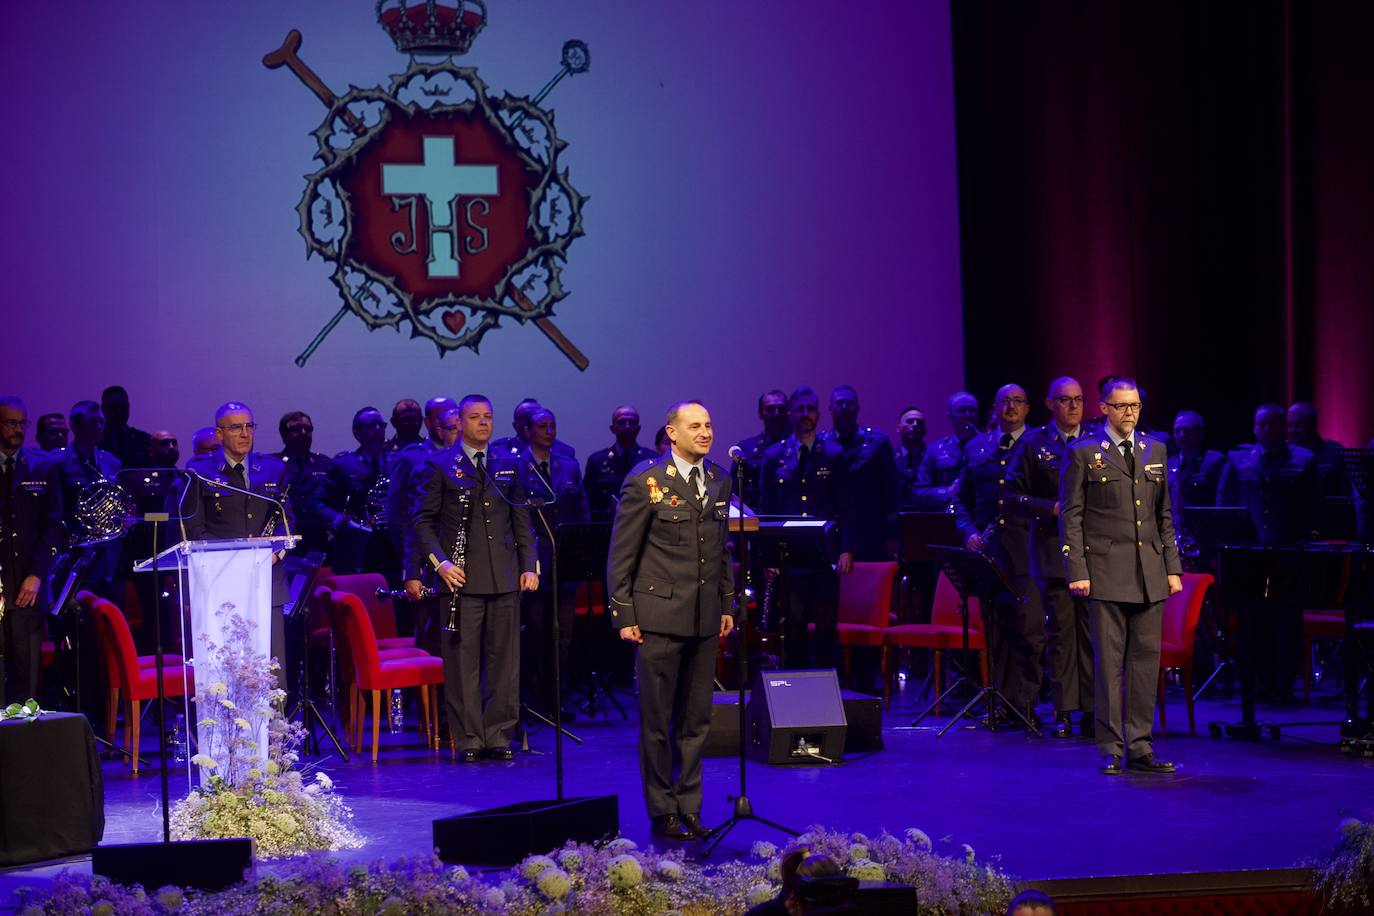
(440, 208)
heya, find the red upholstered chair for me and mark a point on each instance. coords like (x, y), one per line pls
(138, 683)
(1181, 613)
(378, 676)
(866, 610)
(382, 613)
(86, 601)
(945, 632)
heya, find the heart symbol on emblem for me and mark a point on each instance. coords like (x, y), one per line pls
(454, 320)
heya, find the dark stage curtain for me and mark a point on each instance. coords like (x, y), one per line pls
(1179, 191)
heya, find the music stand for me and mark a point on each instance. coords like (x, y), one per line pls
(582, 549)
(793, 542)
(1212, 528)
(972, 573)
(916, 531)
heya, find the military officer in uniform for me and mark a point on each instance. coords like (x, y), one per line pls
(988, 527)
(606, 469)
(520, 422)
(481, 660)
(557, 480)
(1120, 554)
(80, 466)
(30, 533)
(204, 441)
(1033, 492)
(125, 442)
(306, 471)
(938, 474)
(53, 433)
(773, 412)
(406, 420)
(1303, 432)
(911, 428)
(671, 593)
(807, 475)
(352, 491)
(1194, 471)
(211, 510)
(872, 477)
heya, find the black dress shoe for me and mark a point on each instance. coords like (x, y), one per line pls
(468, 756)
(1063, 726)
(1111, 765)
(669, 827)
(699, 830)
(1150, 764)
(1087, 725)
(499, 753)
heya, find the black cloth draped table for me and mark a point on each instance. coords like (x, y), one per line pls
(52, 797)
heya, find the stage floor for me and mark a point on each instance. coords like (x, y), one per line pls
(1039, 805)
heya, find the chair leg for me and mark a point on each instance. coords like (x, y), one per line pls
(885, 651)
(424, 714)
(1188, 694)
(376, 722)
(1162, 724)
(355, 700)
(135, 713)
(111, 712)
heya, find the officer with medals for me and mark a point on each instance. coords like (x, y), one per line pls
(1194, 471)
(556, 479)
(772, 410)
(350, 497)
(671, 593)
(938, 474)
(1033, 493)
(807, 475)
(306, 471)
(481, 659)
(872, 476)
(1119, 553)
(606, 469)
(30, 533)
(988, 527)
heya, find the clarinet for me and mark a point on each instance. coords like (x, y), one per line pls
(458, 557)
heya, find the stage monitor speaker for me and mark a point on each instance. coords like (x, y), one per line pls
(796, 717)
(507, 835)
(207, 865)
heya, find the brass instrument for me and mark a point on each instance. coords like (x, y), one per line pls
(103, 510)
(374, 504)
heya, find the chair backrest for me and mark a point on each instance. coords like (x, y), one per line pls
(117, 642)
(364, 586)
(1181, 611)
(362, 641)
(866, 594)
(944, 610)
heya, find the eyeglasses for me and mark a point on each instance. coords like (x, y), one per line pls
(1017, 401)
(15, 424)
(1124, 408)
(1066, 401)
(237, 428)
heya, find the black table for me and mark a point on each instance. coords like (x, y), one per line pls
(52, 798)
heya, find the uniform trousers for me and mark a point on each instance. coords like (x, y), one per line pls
(482, 671)
(676, 679)
(21, 651)
(811, 596)
(1070, 645)
(1127, 638)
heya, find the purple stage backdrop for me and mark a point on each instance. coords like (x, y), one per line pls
(772, 203)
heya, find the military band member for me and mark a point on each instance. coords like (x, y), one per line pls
(1303, 432)
(349, 496)
(1033, 492)
(808, 476)
(128, 444)
(1194, 471)
(911, 428)
(1120, 554)
(872, 476)
(30, 533)
(671, 593)
(520, 422)
(772, 410)
(79, 467)
(306, 471)
(204, 441)
(987, 527)
(556, 479)
(211, 511)
(406, 421)
(606, 469)
(482, 659)
(442, 423)
(937, 477)
(53, 433)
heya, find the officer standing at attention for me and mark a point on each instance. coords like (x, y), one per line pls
(807, 475)
(1303, 432)
(520, 422)
(53, 433)
(911, 427)
(1033, 492)
(606, 469)
(405, 419)
(127, 443)
(939, 471)
(481, 660)
(30, 532)
(1120, 554)
(872, 476)
(80, 466)
(349, 496)
(306, 471)
(773, 413)
(1194, 471)
(672, 593)
(987, 527)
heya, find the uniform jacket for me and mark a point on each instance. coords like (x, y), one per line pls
(606, 472)
(1282, 493)
(566, 501)
(31, 527)
(873, 485)
(1033, 491)
(511, 445)
(407, 466)
(908, 465)
(751, 453)
(1118, 530)
(1193, 483)
(500, 541)
(981, 506)
(306, 477)
(821, 489)
(344, 496)
(937, 477)
(76, 473)
(668, 571)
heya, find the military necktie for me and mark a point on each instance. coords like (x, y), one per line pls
(803, 456)
(7, 477)
(1005, 444)
(480, 459)
(1129, 454)
(237, 477)
(544, 473)
(694, 481)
